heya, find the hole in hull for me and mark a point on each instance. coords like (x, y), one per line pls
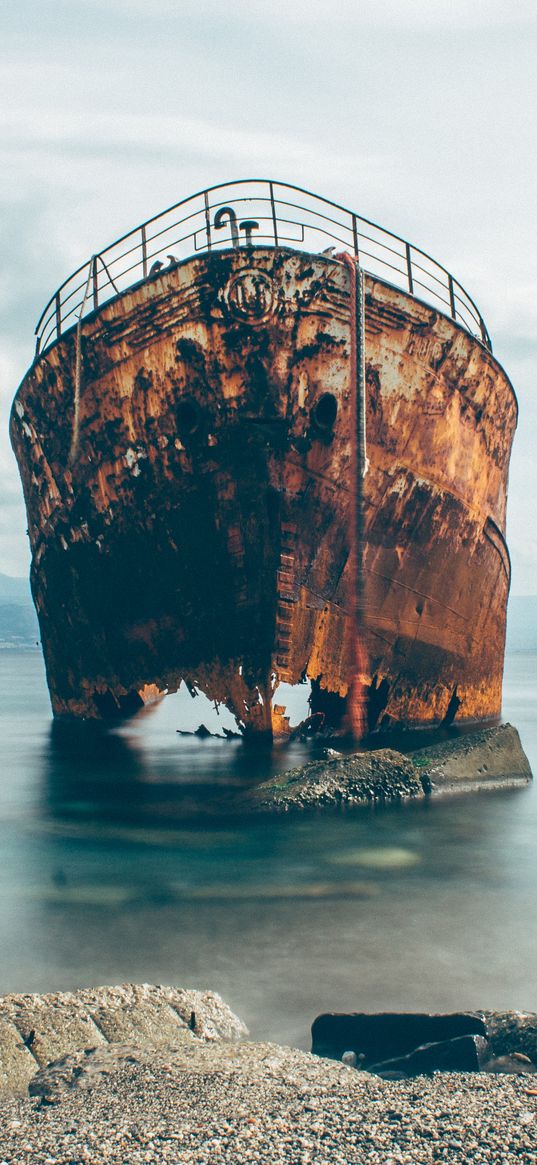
(295, 698)
(324, 413)
(188, 418)
(191, 712)
(332, 706)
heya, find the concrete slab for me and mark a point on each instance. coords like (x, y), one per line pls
(17, 1065)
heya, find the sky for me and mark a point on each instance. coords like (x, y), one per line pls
(417, 114)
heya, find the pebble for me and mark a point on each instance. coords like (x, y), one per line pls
(255, 1104)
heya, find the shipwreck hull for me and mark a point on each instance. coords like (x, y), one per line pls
(441, 415)
(190, 498)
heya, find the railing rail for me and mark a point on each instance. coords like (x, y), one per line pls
(242, 213)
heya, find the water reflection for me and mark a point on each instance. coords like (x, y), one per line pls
(142, 771)
(108, 875)
(112, 775)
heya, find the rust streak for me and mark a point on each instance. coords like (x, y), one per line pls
(203, 532)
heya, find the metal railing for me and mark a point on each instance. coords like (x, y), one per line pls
(244, 213)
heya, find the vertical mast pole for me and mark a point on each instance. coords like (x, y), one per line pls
(358, 678)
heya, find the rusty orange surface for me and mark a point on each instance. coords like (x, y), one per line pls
(198, 526)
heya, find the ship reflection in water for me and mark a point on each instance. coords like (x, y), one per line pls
(143, 770)
(106, 877)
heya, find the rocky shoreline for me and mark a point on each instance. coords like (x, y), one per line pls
(179, 1084)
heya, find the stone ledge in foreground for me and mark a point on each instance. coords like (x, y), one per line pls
(149, 1029)
(506, 1039)
(490, 758)
(38, 1029)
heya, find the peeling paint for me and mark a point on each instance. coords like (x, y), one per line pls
(206, 516)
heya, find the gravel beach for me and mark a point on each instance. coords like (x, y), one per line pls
(206, 1103)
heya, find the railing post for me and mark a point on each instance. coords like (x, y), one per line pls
(53, 320)
(274, 219)
(207, 219)
(355, 236)
(409, 268)
(95, 283)
(452, 297)
(144, 251)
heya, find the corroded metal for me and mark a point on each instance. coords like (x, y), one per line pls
(271, 213)
(200, 532)
(441, 419)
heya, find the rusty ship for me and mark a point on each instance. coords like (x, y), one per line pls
(264, 441)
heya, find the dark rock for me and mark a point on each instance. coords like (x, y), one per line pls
(203, 732)
(387, 1036)
(475, 760)
(512, 1032)
(360, 779)
(490, 758)
(463, 1054)
(514, 1065)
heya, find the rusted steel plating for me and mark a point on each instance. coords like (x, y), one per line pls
(202, 533)
(193, 452)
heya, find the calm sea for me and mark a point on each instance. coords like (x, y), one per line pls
(107, 874)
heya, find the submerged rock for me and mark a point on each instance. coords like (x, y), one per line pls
(476, 760)
(360, 779)
(490, 758)
(384, 857)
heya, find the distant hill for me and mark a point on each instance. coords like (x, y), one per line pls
(18, 620)
(14, 590)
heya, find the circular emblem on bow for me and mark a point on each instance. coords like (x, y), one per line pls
(250, 295)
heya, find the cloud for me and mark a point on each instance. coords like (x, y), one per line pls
(14, 546)
(344, 14)
(52, 133)
(417, 115)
